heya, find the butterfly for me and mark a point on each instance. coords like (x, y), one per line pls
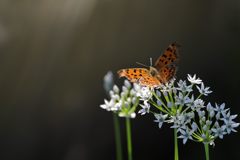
(163, 70)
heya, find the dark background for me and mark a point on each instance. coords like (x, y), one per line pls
(54, 54)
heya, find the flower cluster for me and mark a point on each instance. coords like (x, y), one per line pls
(194, 119)
(213, 122)
(122, 102)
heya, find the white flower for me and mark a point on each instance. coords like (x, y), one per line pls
(133, 115)
(197, 104)
(193, 79)
(194, 126)
(228, 118)
(181, 100)
(117, 106)
(145, 108)
(219, 131)
(115, 89)
(221, 109)
(144, 93)
(168, 87)
(160, 119)
(178, 121)
(183, 87)
(186, 134)
(203, 90)
(107, 105)
(127, 84)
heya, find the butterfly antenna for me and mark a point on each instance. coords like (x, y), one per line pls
(151, 61)
(142, 64)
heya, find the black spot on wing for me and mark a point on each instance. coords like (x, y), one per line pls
(169, 49)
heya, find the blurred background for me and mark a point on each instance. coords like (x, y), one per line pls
(54, 54)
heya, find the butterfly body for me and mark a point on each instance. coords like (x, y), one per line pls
(163, 70)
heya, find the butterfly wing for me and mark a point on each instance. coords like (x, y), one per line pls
(149, 81)
(166, 73)
(169, 56)
(133, 74)
(139, 75)
(166, 63)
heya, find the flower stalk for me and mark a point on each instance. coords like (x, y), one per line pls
(129, 138)
(175, 145)
(117, 137)
(206, 148)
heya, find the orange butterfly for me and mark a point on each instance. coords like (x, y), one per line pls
(164, 69)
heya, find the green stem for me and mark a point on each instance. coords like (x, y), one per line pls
(163, 104)
(117, 137)
(175, 145)
(129, 138)
(158, 107)
(206, 151)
